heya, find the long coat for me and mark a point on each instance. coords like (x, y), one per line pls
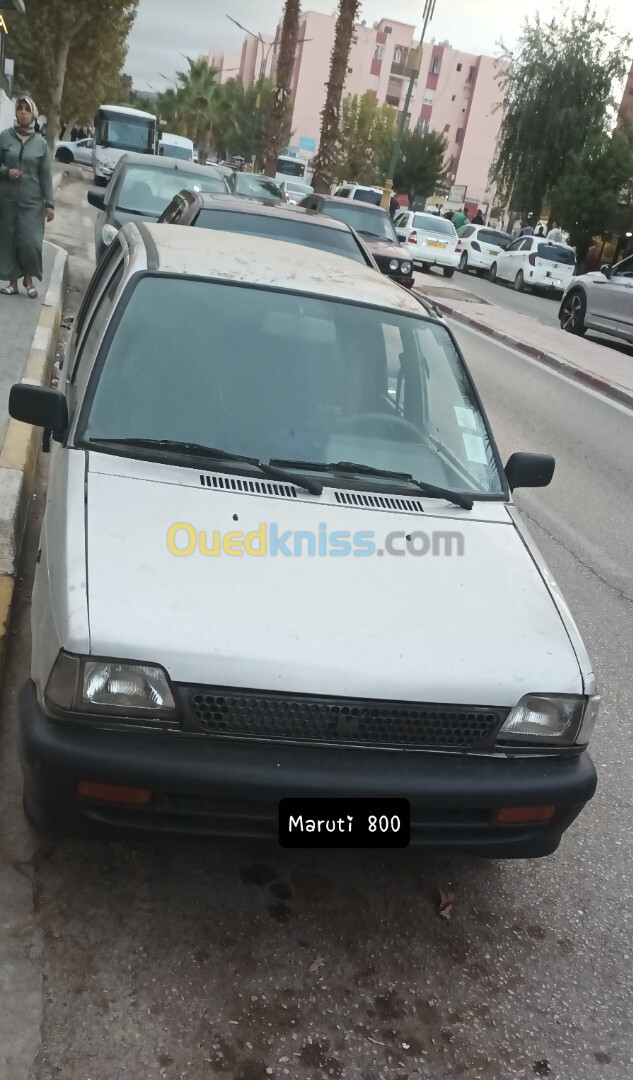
(22, 204)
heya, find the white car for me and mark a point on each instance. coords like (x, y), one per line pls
(360, 193)
(430, 240)
(480, 247)
(294, 191)
(79, 152)
(602, 300)
(530, 262)
(212, 629)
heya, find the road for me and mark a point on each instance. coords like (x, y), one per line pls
(203, 960)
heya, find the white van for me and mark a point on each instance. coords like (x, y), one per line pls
(176, 146)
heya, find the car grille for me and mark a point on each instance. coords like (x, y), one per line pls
(342, 721)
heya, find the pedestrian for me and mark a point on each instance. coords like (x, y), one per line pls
(394, 205)
(555, 235)
(527, 230)
(478, 218)
(74, 133)
(460, 219)
(540, 229)
(26, 200)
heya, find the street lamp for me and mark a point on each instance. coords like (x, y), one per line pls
(429, 8)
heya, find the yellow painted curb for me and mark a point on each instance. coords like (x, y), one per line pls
(7, 585)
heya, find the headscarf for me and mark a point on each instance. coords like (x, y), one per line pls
(24, 99)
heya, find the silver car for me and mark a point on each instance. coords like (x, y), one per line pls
(600, 301)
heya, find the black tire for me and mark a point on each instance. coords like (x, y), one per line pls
(572, 313)
(426, 267)
(463, 263)
(492, 273)
(448, 271)
(65, 156)
(519, 282)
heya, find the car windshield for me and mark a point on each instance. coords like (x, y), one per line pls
(272, 374)
(367, 195)
(370, 222)
(495, 239)
(431, 224)
(149, 191)
(557, 253)
(259, 187)
(171, 151)
(292, 228)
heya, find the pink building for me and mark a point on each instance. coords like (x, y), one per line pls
(625, 113)
(227, 65)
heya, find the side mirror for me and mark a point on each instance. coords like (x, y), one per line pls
(39, 406)
(606, 270)
(529, 470)
(96, 198)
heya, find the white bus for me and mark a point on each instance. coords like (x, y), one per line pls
(291, 168)
(118, 131)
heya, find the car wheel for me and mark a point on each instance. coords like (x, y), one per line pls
(572, 313)
(492, 273)
(519, 282)
(448, 271)
(463, 263)
(64, 155)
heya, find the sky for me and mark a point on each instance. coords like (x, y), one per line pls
(167, 31)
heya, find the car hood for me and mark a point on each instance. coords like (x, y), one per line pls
(119, 218)
(383, 249)
(479, 628)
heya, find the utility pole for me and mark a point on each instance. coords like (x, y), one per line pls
(429, 8)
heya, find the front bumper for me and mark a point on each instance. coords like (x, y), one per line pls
(232, 788)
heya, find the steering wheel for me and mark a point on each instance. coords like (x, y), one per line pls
(385, 427)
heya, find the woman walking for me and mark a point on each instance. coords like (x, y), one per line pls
(26, 200)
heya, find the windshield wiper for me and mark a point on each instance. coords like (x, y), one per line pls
(465, 501)
(213, 453)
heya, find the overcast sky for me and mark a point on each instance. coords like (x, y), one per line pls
(167, 30)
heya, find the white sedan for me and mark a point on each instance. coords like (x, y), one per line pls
(480, 247)
(79, 152)
(530, 262)
(430, 240)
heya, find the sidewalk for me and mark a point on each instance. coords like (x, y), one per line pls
(599, 366)
(28, 337)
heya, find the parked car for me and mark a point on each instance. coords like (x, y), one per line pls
(78, 152)
(601, 301)
(252, 185)
(143, 186)
(530, 262)
(480, 247)
(256, 217)
(359, 193)
(375, 228)
(429, 240)
(294, 191)
(226, 383)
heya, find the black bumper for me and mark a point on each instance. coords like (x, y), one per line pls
(222, 787)
(407, 280)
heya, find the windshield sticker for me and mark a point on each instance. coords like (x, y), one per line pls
(475, 449)
(465, 418)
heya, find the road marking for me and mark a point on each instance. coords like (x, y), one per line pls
(620, 406)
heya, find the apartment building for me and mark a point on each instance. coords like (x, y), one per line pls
(456, 93)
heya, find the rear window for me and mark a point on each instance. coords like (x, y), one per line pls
(288, 229)
(497, 239)
(367, 195)
(556, 253)
(258, 187)
(432, 224)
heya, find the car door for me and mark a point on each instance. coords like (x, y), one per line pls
(506, 260)
(83, 151)
(616, 298)
(402, 225)
(520, 258)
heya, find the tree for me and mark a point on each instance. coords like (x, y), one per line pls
(277, 119)
(68, 52)
(557, 88)
(324, 160)
(596, 185)
(421, 165)
(366, 132)
(192, 103)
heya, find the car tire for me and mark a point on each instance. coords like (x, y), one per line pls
(519, 282)
(425, 268)
(463, 263)
(448, 271)
(572, 313)
(64, 156)
(492, 273)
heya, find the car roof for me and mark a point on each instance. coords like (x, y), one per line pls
(127, 110)
(254, 260)
(153, 161)
(358, 204)
(265, 207)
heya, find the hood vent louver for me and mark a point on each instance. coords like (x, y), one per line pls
(249, 487)
(378, 502)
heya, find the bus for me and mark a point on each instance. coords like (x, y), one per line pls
(120, 130)
(290, 168)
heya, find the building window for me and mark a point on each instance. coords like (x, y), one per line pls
(374, 82)
(394, 90)
(388, 29)
(459, 67)
(458, 135)
(447, 128)
(397, 54)
(350, 71)
(471, 75)
(436, 65)
(429, 97)
(423, 126)
(453, 97)
(379, 52)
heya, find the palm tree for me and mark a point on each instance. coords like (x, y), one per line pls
(281, 97)
(323, 162)
(197, 92)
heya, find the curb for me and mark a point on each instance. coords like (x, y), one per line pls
(572, 371)
(20, 451)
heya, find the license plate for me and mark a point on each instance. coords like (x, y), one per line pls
(434, 243)
(344, 823)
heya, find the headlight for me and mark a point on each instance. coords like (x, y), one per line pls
(108, 234)
(112, 687)
(551, 720)
(394, 264)
(406, 267)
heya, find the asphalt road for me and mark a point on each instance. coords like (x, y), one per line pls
(202, 960)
